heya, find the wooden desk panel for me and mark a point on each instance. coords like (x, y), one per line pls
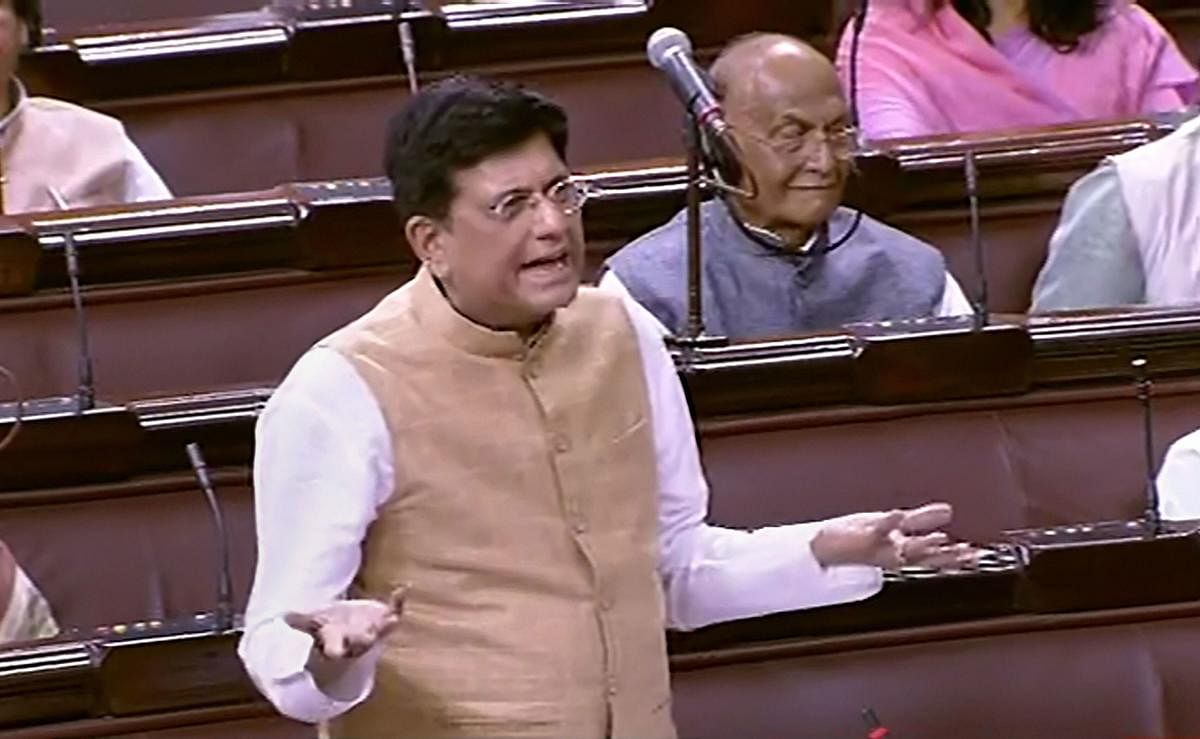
(131, 551)
(1044, 458)
(173, 338)
(620, 110)
(213, 52)
(1015, 240)
(251, 721)
(69, 17)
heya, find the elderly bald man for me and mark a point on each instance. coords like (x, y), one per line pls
(788, 260)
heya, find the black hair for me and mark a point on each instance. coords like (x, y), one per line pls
(455, 124)
(1060, 23)
(29, 12)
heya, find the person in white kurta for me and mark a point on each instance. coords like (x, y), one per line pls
(1179, 480)
(85, 157)
(326, 469)
(1130, 231)
(712, 574)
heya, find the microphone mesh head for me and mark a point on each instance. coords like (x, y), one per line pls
(663, 42)
(194, 455)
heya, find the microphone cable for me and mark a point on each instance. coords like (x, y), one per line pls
(860, 22)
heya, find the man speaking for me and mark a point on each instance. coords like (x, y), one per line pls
(480, 504)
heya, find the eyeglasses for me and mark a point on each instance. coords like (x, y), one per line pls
(567, 195)
(797, 142)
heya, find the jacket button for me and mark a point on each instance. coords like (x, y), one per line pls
(562, 444)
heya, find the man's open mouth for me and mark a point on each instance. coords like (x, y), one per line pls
(555, 261)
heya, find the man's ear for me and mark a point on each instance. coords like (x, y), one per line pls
(23, 34)
(425, 238)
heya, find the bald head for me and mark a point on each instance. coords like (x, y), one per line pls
(764, 66)
(779, 94)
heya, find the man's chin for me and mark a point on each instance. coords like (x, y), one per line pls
(814, 207)
(549, 299)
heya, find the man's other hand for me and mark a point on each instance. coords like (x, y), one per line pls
(349, 628)
(892, 539)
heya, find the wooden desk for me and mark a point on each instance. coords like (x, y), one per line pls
(152, 679)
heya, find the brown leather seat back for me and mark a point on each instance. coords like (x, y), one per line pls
(1015, 240)
(103, 558)
(1059, 460)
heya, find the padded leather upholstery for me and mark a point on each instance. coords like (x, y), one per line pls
(182, 338)
(1051, 458)
(1126, 679)
(239, 141)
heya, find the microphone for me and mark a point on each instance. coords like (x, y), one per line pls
(85, 393)
(408, 47)
(224, 581)
(1144, 388)
(979, 306)
(670, 51)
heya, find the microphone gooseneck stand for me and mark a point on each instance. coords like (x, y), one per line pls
(1152, 515)
(224, 615)
(85, 392)
(698, 184)
(979, 306)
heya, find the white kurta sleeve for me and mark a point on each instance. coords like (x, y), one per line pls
(323, 464)
(142, 182)
(709, 573)
(24, 613)
(954, 301)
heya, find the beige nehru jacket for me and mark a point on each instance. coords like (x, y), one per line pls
(523, 517)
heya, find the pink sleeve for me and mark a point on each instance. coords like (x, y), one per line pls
(887, 98)
(1171, 80)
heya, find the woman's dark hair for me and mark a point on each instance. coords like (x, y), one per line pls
(30, 13)
(1060, 23)
(455, 124)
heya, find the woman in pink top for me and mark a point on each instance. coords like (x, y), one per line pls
(946, 66)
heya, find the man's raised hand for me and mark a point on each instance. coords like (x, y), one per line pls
(349, 628)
